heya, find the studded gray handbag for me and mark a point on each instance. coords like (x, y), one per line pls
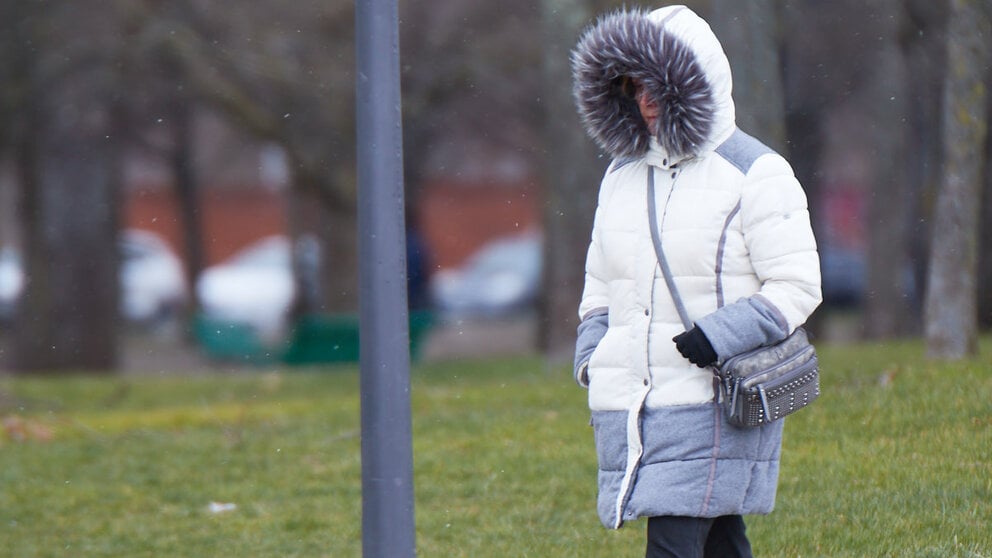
(768, 383)
(760, 385)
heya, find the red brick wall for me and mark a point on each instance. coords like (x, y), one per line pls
(231, 219)
(455, 218)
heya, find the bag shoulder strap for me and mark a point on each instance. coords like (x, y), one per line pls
(660, 253)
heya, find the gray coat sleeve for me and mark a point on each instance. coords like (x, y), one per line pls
(590, 332)
(744, 325)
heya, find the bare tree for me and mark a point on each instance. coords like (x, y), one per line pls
(281, 75)
(809, 91)
(187, 188)
(884, 98)
(924, 42)
(159, 111)
(66, 158)
(286, 76)
(951, 312)
(849, 62)
(572, 175)
(471, 73)
(985, 243)
(751, 36)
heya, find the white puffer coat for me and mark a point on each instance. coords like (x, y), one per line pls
(735, 230)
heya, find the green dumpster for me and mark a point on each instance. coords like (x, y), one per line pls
(233, 342)
(333, 338)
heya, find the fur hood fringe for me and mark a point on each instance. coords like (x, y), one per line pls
(635, 44)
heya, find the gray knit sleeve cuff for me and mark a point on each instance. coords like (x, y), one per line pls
(590, 332)
(744, 325)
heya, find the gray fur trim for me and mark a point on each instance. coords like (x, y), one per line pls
(629, 44)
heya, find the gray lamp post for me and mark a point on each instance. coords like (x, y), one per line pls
(387, 448)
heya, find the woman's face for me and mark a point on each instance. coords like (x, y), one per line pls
(646, 103)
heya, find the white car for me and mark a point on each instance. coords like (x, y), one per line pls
(11, 282)
(254, 287)
(502, 277)
(153, 282)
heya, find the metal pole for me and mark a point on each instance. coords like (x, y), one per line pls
(387, 448)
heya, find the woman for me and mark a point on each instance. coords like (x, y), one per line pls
(654, 91)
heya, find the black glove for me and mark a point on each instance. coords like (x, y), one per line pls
(694, 346)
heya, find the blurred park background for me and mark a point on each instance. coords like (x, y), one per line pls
(177, 178)
(178, 274)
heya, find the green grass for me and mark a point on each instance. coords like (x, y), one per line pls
(504, 464)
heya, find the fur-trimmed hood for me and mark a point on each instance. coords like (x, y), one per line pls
(681, 63)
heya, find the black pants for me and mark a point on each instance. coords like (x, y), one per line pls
(697, 537)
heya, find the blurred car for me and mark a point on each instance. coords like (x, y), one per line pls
(254, 287)
(152, 282)
(844, 276)
(502, 277)
(11, 282)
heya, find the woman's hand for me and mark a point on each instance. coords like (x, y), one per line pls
(694, 346)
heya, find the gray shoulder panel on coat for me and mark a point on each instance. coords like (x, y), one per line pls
(742, 150)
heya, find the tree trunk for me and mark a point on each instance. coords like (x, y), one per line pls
(985, 241)
(68, 313)
(951, 312)
(926, 57)
(572, 176)
(188, 195)
(887, 301)
(325, 252)
(806, 104)
(749, 32)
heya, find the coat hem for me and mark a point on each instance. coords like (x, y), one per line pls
(692, 463)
